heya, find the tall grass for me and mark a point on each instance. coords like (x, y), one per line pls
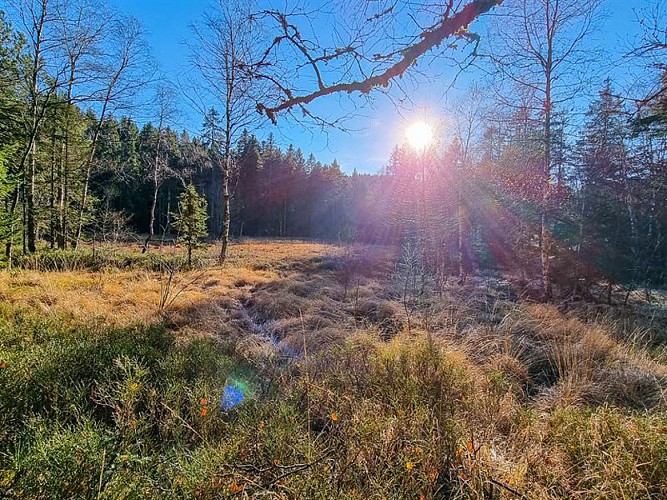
(133, 412)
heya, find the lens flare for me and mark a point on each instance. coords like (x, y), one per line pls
(234, 394)
(419, 135)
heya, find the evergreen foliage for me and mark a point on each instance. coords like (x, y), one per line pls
(190, 221)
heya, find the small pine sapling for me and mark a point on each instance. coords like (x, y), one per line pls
(190, 222)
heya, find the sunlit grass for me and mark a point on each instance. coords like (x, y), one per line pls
(103, 395)
(121, 297)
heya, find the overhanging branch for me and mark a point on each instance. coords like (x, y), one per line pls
(448, 27)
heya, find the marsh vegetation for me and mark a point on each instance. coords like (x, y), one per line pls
(344, 386)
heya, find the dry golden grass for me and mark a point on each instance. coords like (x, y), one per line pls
(306, 297)
(121, 297)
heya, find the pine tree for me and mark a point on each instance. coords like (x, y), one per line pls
(190, 221)
(607, 232)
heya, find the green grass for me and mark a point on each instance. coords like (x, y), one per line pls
(103, 259)
(88, 412)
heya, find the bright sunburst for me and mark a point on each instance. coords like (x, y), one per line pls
(419, 135)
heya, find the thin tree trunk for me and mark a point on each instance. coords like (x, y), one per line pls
(151, 224)
(29, 201)
(91, 158)
(61, 198)
(545, 233)
(226, 168)
(226, 211)
(52, 188)
(30, 205)
(464, 237)
(64, 223)
(9, 245)
(156, 184)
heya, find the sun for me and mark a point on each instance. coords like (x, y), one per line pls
(419, 135)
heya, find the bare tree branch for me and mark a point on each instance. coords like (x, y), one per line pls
(450, 23)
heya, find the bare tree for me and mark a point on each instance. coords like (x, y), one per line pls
(538, 47)
(81, 27)
(362, 51)
(123, 68)
(468, 114)
(225, 44)
(156, 161)
(652, 49)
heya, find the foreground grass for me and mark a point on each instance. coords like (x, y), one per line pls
(478, 397)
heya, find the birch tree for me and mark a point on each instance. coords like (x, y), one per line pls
(225, 43)
(122, 69)
(538, 47)
(156, 157)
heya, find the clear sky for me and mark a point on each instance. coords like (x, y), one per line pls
(379, 127)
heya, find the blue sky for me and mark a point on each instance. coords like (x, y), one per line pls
(380, 127)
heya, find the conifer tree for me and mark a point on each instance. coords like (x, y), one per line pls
(190, 221)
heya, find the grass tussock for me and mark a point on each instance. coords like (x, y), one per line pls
(352, 388)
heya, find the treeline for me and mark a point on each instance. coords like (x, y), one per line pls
(524, 186)
(274, 192)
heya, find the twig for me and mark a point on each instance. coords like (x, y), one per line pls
(298, 468)
(506, 487)
(289, 470)
(184, 422)
(99, 487)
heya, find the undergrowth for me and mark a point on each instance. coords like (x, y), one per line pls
(118, 413)
(103, 259)
(473, 396)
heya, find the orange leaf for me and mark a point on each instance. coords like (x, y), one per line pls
(203, 412)
(470, 447)
(203, 402)
(235, 488)
(334, 417)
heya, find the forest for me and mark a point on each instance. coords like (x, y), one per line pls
(192, 304)
(75, 169)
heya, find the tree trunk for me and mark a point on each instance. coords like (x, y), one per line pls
(227, 166)
(52, 189)
(30, 215)
(226, 211)
(464, 238)
(545, 233)
(91, 158)
(151, 224)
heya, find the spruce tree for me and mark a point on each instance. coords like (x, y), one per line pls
(190, 221)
